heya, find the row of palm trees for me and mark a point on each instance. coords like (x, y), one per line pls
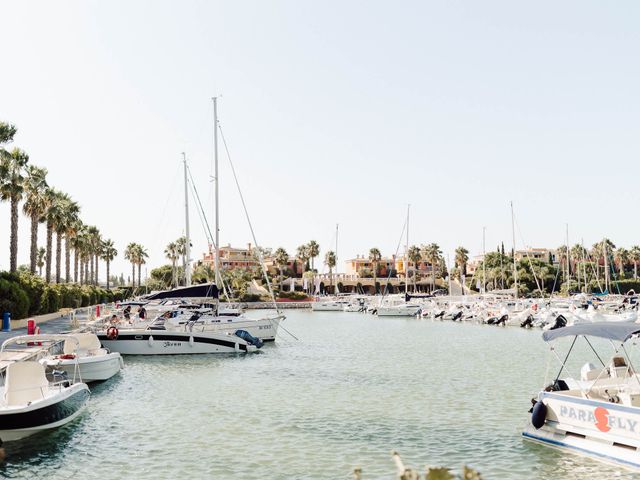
(308, 252)
(22, 182)
(173, 252)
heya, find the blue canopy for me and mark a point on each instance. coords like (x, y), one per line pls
(620, 331)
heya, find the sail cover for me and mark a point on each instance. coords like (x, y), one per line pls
(611, 331)
(205, 290)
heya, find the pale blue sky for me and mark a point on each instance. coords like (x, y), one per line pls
(335, 112)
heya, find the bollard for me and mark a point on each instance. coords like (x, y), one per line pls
(6, 322)
(97, 311)
(31, 327)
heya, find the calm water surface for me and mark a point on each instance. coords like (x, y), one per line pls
(351, 390)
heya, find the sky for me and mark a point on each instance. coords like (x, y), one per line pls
(334, 112)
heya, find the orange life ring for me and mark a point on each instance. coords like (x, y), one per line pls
(112, 333)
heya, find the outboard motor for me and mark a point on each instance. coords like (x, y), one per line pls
(457, 316)
(528, 322)
(250, 339)
(492, 321)
(439, 315)
(560, 322)
(503, 320)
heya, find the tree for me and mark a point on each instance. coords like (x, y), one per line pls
(602, 250)
(109, 252)
(94, 247)
(141, 259)
(621, 255)
(12, 167)
(330, 262)
(130, 255)
(313, 250)
(461, 259)
(53, 217)
(171, 252)
(73, 224)
(302, 253)
(281, 259)
(414, 257)
(35, 206)
(181, 245)
(634, 256)
(374, 257)
(40, 259)
(431, 253)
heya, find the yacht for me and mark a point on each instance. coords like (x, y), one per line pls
(597, 412)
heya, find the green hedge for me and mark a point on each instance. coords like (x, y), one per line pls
(26, 295)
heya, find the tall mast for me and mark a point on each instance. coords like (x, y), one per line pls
(215, 184)
(568, 259)
(513, 234)
(187, 270)
(336, 274)
(406, 256)
(484, 261)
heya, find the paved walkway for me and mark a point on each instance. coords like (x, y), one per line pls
(57, 325)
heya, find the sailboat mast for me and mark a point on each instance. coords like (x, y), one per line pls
(568, 259)
(406, 256)
(187, 271)
(216, 193)
(484, 261)
(513, 234)
(336, 273)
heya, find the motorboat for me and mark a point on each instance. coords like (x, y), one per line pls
(82, 355)
(399, 310)
(329, 305)
(597, 412)
(158, 340)
(30, 402)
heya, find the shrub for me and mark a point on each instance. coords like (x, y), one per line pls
(13, 299)
(291, 295)
(50, 301)
(250, 297)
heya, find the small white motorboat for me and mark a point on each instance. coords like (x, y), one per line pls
(30, 403)
(598, 412)
(83, 351)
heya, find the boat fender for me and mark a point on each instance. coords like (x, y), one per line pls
(112, 333)
(150, 341)
(191, 341)
(539, 415)
(250, 339)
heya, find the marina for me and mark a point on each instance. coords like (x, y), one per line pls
(306, 399)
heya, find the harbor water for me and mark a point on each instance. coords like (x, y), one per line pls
(350, 390)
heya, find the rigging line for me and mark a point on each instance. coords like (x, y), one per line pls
(164, 209)
(535, 277)
(404, 227)
(253, 235)
(207, 230)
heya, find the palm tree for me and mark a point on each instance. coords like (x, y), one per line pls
(621, 255)
(73, 224)
(462, 257)
(302, 253)
(35, 206)
(181, 245)
(40, 259)
(109, 252)
(130, 254)
(7, 132)
(313, 250)
(54, 217)
(374, 257)
(281, 259)
(603, 249)
(141, 259)
(12, 167)
(94, 245)
(171, 252)
(68, 213)
(432, 254)
(330, 261)
(634, 256)
(414, 257)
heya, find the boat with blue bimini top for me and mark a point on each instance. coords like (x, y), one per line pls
(598, 413)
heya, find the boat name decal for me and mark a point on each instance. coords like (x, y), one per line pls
(600, 417)
(172, 344)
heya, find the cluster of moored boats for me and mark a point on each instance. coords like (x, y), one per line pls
(549, 313)
(43, 378)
